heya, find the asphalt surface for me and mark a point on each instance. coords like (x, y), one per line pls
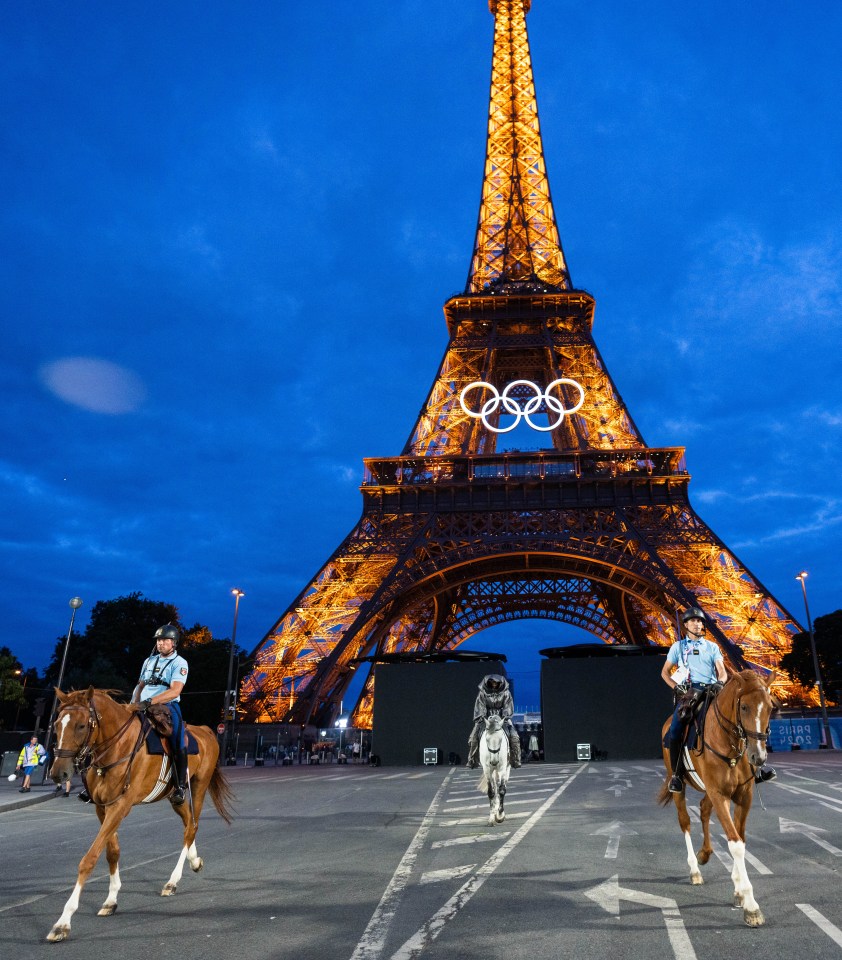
(358, 863)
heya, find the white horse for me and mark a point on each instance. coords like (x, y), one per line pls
(494, 760)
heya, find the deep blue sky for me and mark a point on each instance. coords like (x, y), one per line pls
(228, 230)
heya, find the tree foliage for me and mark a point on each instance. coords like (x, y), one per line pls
(120, 636)
(798, 663)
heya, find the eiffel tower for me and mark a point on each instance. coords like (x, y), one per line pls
(596, 530)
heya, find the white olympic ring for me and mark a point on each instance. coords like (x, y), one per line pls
(513, 407)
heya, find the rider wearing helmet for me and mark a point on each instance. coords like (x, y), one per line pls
(494, 697)
(162, 678)
(693, 663)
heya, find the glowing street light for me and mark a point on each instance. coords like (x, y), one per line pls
(802, 579)
(74, 603)
(228, 691)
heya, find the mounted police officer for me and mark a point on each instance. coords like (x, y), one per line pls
(162, 679)
(693, 663)
(494, 697)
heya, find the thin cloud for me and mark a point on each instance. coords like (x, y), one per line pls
(93, 384)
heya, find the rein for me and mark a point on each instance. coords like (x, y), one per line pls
(90, 754)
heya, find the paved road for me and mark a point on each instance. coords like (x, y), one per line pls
(358, 864)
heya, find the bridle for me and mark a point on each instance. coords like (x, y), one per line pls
(737, 734)
(91, 753)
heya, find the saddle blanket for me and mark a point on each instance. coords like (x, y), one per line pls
(156, 748)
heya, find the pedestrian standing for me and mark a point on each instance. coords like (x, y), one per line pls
(30, 757)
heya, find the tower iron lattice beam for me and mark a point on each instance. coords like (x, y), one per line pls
(595, 530)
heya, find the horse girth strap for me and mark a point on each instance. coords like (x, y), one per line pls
(128, 759)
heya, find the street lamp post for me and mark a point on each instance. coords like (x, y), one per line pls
(75, 603)
(227, 719)
(23, 695)
(802, 579)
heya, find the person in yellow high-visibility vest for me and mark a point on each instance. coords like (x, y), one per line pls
(28, 761)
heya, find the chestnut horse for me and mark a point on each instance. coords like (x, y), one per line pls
(106, 739)
(722, 766)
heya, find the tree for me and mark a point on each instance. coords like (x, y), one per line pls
(11, 685)
(203, 698)
(798, 663)
(118, 638)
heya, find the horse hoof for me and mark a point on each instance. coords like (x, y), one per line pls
(501, 818)
(703, 856)
(169, 890)
(754, 918)
(107, 910)
(58, 934)
(696, 879)
(197, 865)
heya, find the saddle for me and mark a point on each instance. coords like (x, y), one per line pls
(694, 707)
(157, 748)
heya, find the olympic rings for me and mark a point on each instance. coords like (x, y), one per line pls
(513, 407)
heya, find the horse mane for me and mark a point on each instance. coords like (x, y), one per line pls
(80, 698)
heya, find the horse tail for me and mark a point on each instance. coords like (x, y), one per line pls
(482, 786)
(664, 796)
(221, 794)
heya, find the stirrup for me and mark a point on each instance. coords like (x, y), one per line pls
(764, 776)
(84, 796)
(676, 784)
(177, 796)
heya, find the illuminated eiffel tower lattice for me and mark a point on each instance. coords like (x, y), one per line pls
(596, 530)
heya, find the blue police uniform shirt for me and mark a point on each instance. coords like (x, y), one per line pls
(702, 665)
(158, 673)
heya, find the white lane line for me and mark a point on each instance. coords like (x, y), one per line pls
(430, 930)
(811, 793)
(99, 876)
(821, 922)
(417, 776)
(436, 876)
(479, 838)
(374, 936)
(473, 821)
(394, 776)
(509, 793)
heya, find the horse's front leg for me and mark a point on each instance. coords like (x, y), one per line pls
(705, 808)
(501, 800)
(684, 822)
(743, 890)
(112, 854)
(492, 798)
(188, 850)
(110, 821)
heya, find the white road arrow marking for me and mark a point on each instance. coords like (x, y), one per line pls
(617, 789)
(609, 894)
(793, 826)
(614, 831)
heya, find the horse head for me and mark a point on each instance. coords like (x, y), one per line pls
(749, 707)
(77, 728)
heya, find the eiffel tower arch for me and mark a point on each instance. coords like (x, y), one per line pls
(595, 529)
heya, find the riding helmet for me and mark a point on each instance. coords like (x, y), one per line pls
(693, 613)
(168, 632)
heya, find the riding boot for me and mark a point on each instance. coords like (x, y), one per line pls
(676, 784)
(473, 754)
(514, 749)
(764, 775)
(179, 776)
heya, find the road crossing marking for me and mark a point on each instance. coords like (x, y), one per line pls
(821, 922)
(811, 793)
(473, 821)
(454, 873)
(374, 936)
(431, 929)
(793, 826)
(479, 838)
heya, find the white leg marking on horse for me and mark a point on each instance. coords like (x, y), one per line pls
(742, 884)
(195, 861)
(61, 928)
(113, 887)
(692, 861)
(175, 876)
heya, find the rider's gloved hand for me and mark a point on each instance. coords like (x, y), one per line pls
(141, 706)
(682, 688)
(716, 687)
